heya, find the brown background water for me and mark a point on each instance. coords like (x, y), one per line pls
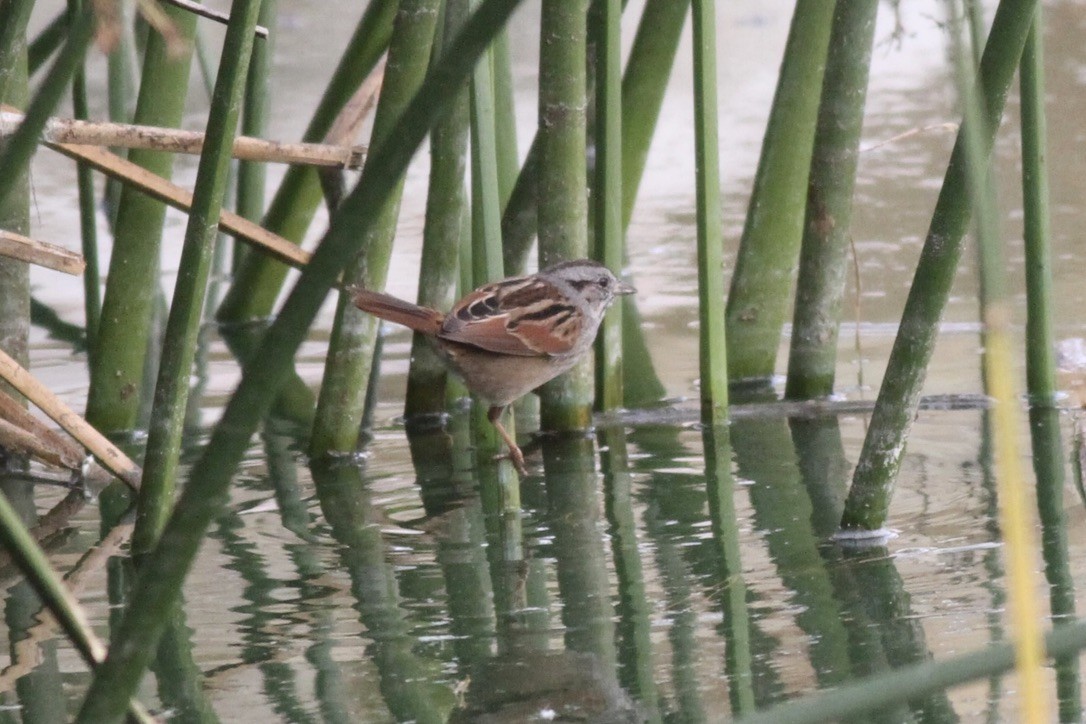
(280, 632)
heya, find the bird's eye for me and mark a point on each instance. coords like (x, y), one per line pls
(604, 282)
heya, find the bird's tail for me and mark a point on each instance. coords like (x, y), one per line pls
(386, 306)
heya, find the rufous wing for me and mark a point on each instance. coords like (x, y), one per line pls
(516, 318)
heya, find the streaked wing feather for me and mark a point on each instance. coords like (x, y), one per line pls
(485, 319)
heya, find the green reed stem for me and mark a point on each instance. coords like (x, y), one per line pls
(823, 260)
(121, 90)
(354, 333)
(713, 350)
(46, 42)
(880, 459)
(647, 73)
(186, 311)
(505, 118)
(1048, 452)
(13, 49)
(164, 569)
(607, 194)
(252, 176)
(878, 693)
(486, 199)
(446, 206)
(124, 332)
(769, 247)
(20, 146)
(1040, 340)
(33, 562)
(259, 279)
(561, 194)
(88, 228)
(15, 308)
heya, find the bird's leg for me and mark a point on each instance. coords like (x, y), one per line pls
(494, 414)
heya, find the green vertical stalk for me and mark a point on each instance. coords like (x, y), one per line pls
(486, 199)
(259, 278)
(183, 325)
(561, 195)
(16, 152)
(446, 206)
(1048, 452)
(164, 570)
(121, 96)
(895, 409)
(505, 118)
(607, 194)
(354, 333)
(15, 209)
(254, 118)
(647, 72)
(1040, 340)
(769, 247)
(823, 259)
(51, 589)
(128, 305)
(45, 43)
(88, 228)
(713, 350)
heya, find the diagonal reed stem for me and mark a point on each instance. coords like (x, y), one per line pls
(186, 311)
(163, 572)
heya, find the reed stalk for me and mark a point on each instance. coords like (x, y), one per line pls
(45, 43)
(252, 176)
(769, 246)
(50, 587)
(823, 260)
(895, 409)
(713, 360)
(354, 333)
(562, 199)
(258, 280)
(486, 240)
(88, 227)
(446, 206)
(16, 152)
(1047, 445)
(159, 585)
(116, 376)
(648, 70)
(186, 310)
(607, 193)
(15, 209)
(505, 118)
(1040, 340)
(880, 692)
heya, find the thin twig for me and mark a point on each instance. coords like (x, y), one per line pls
(68, 453)
(109, 454)
(174, 140)
(32, 251)
(206, 12)
(173, 195)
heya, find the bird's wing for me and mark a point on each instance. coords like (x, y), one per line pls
(521, 316)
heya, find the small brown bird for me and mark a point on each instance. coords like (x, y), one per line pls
(507, 338)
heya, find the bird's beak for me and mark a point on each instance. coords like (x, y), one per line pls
(624, 288)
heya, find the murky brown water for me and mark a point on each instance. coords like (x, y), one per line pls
(629, 589)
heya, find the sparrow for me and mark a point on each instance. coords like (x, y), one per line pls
(507, 338)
